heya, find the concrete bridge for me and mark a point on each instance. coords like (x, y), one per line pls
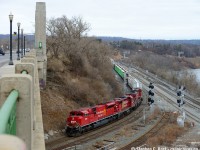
(21, 125)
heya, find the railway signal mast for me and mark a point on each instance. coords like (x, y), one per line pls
(180, 95)
(181, 102)
(150, 99)
(151, 94)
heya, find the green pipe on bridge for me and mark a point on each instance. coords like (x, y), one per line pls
(24, 72)
(8, 114)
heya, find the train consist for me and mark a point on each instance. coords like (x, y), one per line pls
(131, 81)
(85, 119)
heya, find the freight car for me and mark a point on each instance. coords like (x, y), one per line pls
(119, 70)
(131, 81)
(85, 119)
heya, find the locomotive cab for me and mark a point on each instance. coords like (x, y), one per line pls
(79, 120)
(73, 123)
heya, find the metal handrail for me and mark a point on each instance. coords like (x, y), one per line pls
(24, 72)
(8, 114)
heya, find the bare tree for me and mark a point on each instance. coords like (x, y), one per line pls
(84, 57)
(64, 35)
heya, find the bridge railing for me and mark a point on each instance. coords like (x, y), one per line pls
(8, 114)
(19, 114)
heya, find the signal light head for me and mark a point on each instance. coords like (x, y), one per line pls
(151, 86)
(151, 93)
(150, 101)
(179, 93)
(178, 101)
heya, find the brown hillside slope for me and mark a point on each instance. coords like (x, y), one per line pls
(70, 86)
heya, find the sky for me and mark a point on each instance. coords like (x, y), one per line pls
(137, 19)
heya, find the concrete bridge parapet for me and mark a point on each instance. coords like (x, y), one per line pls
(35, 62)
(29, 114)
(24, 111)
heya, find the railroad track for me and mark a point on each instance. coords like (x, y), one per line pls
(188, 113)
(160, 81)
(171, 91)
(174, 104)
(65, 142)
(191, 102)
(150, 133)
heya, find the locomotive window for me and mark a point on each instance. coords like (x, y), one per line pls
(134, 91)
(72, 113)
(94, 110)
(79, 114)
(122, 97)
(110, 106)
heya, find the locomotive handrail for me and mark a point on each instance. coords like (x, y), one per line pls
(8, 114)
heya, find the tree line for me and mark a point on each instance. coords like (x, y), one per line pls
(189, 50)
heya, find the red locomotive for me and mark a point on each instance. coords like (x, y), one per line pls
(85, 119)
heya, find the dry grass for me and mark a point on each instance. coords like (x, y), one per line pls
(195, 61)
(55, 109)
(98, 144)
(168, 134)
(125, 131)
(154, 115)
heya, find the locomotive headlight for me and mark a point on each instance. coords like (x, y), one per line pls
(73, 122)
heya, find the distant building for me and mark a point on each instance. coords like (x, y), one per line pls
(180, 54)
(126, 52)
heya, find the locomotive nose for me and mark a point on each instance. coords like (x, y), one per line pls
(73, 122)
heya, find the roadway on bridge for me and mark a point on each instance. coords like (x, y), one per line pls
(5, 58)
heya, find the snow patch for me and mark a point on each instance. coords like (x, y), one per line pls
(51, 133)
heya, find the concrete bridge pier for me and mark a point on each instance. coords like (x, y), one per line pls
(40, 41)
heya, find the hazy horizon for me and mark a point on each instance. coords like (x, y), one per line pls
(135, 19)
